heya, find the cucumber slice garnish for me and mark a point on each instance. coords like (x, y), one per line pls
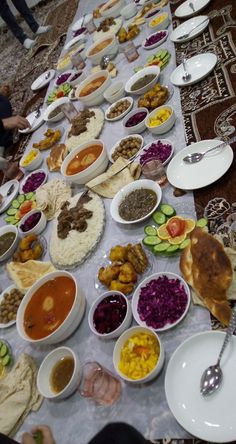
(159, 217)
(11, 211)
(150, 230)
(201, 223)
(172, 249)
(184, 244)
(29, 195)
(6, 360)
(151, 240)
(21, 198)
(3, 350)
(168, 210)
(160, 248)
(15, 204)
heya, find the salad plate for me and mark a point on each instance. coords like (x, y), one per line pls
(198, 66)
(35, 122)
(185, 9)
(198, 175)
(195, 26)
(212, 418)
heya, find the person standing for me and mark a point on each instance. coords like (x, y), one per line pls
(12, 24)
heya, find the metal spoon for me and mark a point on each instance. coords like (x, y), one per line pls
(196, 157)
(9, 192)
(186, 76)
(212, 377)
(191, 6)
(187, 34)
(45, 78)
(104, 62)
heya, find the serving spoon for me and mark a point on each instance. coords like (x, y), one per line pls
(191, 6)
(196, 157)
(186, 76)
(212, 377)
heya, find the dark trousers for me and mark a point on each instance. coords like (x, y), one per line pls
(10, 19)
(5, 111)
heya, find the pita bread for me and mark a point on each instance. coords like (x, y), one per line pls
(51, 196)
(107, 185)
(207, 268)
(26, 274)
(56, 157)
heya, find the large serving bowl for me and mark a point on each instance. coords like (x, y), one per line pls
(119, 197)
(144, 72)
(10, 251)
(166, 125)
(111, 49)
(45, 370)
(112, 8)
(123, 326)
(70, 323)
(117, 351)
(96, 97)
(97, 167)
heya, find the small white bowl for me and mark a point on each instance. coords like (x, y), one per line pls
(78, 39)
(165, 142)
(163, 127)
(121, 115)
(157, 43)
(124, 138)
(110, 50)
(123, 326)
(143, 72)
(112, 11)
(129, 11)
(12, 229)
(70, 71)
(115, 92)
(140, 127)
(153, 10)
(52, 107)
(96, 97)
(45, 369)
(97, 167)
(79, 79)
(127, 189)
(35, 163)
(38, 228)
(136, 295)
(121, 342)
(162, 25)
(32, 173)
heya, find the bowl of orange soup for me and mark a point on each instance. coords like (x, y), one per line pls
(104, 46)
(90, 91)
(85, 162)
(51, 310)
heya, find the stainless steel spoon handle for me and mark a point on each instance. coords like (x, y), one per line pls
(186, 74)
(221, 145)
(230, 330)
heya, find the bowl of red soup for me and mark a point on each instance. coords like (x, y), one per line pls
(51, 310)
(85, 162)
(104, 46)
(90, 91)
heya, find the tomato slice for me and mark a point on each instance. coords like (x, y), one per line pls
(175, 226)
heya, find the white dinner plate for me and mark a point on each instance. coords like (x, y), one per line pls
(40, 82)
(209, 418)
(198, 67)
(8, 289)
(35, 123)
(200, 23)
(3, 191)
(185, 10)
(198, 175)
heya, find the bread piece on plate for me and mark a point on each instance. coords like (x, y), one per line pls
(207, 268)
(26, 274)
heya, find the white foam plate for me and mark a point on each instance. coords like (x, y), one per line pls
(198, 67)
(3, 191)
(35, 123)
(185, 10)
(40, 82)
(200, 23)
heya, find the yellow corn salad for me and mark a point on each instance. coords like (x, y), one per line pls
(160, 117)
(32, 154)
(139, 355)
(157, 20)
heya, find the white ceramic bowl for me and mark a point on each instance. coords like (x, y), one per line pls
(145, 71)
(46, 367)
(115, 92)
(67, 327)
(38, 228)
(129, 11)
(162, 25)
(69, 72)
(140, 127)
(96, 97)
(155, 10)
(112, 11)
(136, 295)
(54, 106)
(23, 182)
(121, 342)
(12, 229)
(123, 326)
(110, 50)
(163, 127)
(136, 185)
(35, 163)
(165, 31)
(165, 142)
(130, 100)
(78, 80)
(124, 138)
(98, 167)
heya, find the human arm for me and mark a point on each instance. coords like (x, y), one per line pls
(11, 123)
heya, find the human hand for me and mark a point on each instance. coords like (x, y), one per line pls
(39, 435)
(18, 122)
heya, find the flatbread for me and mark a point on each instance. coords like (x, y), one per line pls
(51, 196)
(56, 157)
(107, 185)
(26, 274)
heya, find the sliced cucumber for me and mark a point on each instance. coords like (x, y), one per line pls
(172, 249)
(151, 240)
(3, 350)
(159, 217)
(15, 204)
(184, 244)
(11, 220)
(201, 223)
(21, 198)
(6, 360)
(29, 195)
(150, 230)
(160, 248)
(167, 210)
(12, 211)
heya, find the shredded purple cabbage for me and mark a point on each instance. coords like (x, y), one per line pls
(33, 182)
(135, 119)
(31, 222)
(78, 74)
(109, 314)
(156, 150)
(155, 38)
(63, 78)
(162, 301)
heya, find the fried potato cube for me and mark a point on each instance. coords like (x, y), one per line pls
(108, 274)
(118, 254)
(120, 286)
(127, 273)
